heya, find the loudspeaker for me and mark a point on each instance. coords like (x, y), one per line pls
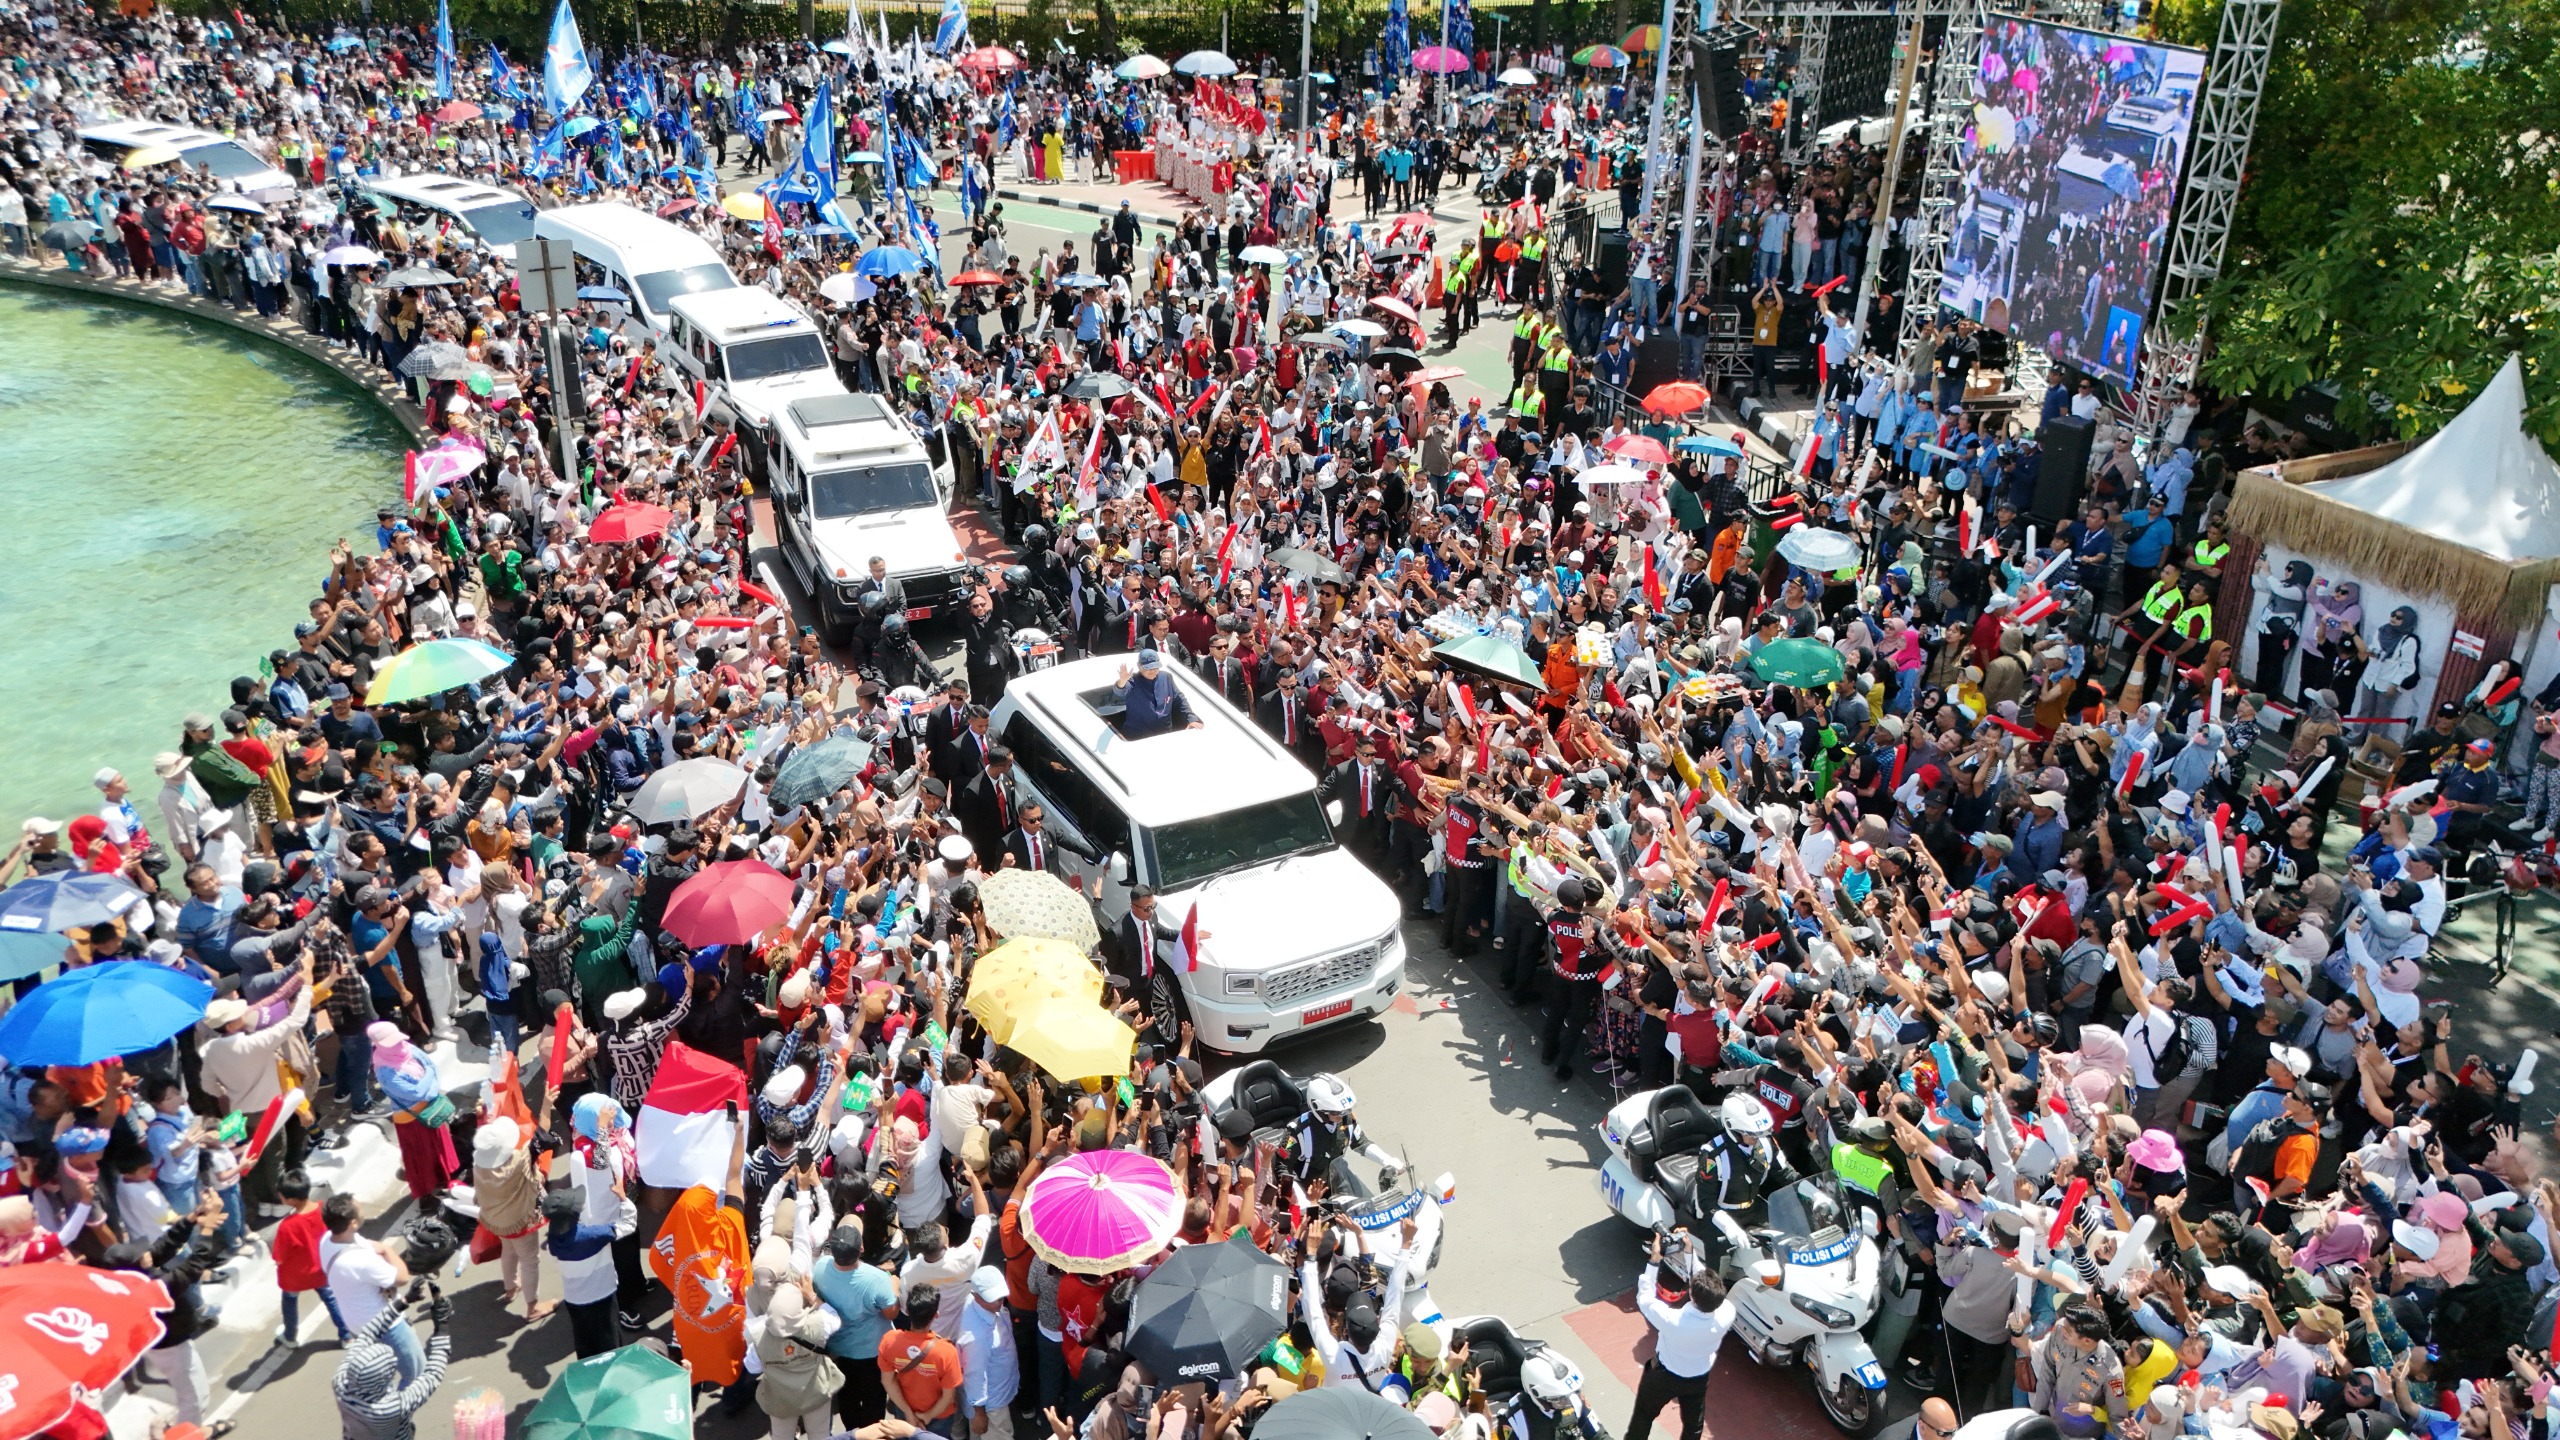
(1715, 68)
(1609, 259)
(1657, 363)
(2065, 469)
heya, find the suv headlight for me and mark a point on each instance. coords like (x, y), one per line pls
(1239, 983)
(1391, 949)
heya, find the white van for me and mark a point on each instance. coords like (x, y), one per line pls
(851, 480)
(637, 253)
(756, 351)
(494, 215)
(1299, 934)
(235, 165)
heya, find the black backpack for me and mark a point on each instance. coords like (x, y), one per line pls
(2169, 1060)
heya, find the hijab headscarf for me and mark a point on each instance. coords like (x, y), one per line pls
(2337, 611)
(405, 1074)
(603, 1141)
(2402, 625)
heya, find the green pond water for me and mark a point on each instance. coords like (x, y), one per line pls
(169, 492)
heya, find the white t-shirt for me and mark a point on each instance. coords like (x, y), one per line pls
(2143, 1035)
(359, 1276)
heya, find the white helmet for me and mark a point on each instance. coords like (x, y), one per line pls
(1328, 1095)
(1745, 1117)
(1543, 1382)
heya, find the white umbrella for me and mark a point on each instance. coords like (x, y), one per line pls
(1263, 255)
(1823, 550)
(1205, 62)
(686, 789)
(769, 116)
(1365, 329)
(1610, 475)
(839, 287)
(1516, 76)
(351, 255)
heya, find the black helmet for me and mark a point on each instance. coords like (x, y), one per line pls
(1035, 537)
(893, 626)
(2046, 1030)
(874, 604)
(1016, 576)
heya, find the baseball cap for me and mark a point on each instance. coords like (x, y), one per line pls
(2292, 1058)
(2231, 1280)
(988, 1284)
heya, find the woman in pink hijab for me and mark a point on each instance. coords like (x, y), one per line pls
(420, 1112)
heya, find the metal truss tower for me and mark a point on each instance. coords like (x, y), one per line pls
(2174, 341)
(1950, 91)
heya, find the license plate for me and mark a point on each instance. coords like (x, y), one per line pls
(1327, 1011)
(919, 612)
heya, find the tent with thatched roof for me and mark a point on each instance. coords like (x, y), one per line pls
(2464, 528)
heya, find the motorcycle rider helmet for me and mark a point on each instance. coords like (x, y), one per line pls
(2046, 1030)
(1035, 537)
(1543, 1382)
(1016, 576)
(1571, 893)
(893, 626)
(874, 604)
(1745, 1117)
(1329, 1097)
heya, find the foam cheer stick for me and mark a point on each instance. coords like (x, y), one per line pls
(1827, 286)
(750, 588)
(2071, 1198)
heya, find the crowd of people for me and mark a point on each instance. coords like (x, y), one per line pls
(1952, 857)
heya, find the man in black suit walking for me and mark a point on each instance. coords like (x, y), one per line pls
(1366, 788)
(1285, 716)
(985, 804)
(1033, 846)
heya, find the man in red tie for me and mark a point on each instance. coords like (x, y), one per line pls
(1365, 788)
(1283, 713)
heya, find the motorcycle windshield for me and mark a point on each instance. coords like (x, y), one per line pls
(1359, 1182)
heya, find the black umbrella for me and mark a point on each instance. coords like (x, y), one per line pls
(1208, 1311)
(1402, 252)
(1308, 563)
(68, 234)
(1097, 385)
(1403, 362)
(1339, 1412)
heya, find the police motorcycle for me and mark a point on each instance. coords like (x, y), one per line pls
(1524, 1380)
(1804, 1284)
(1310, 1124)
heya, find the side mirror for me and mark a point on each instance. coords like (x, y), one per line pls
(1119, 868)
(1767, 1272)
(1333, 811)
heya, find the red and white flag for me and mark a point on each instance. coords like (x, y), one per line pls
(683, 1131)
(1087, 474)
(1190, 941)
(271, 1120)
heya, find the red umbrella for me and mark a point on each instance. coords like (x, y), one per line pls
(1638, 447)
(624, 523)
(1679, 397)
(993, 57)
(1393, 306)
(977, 277)
(677, 206)
(454, 112)
(74, 1331)
(729, 904)
(1433, 374)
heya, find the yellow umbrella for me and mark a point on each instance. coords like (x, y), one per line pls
(746, 205)
(1050, 958)
(144, 157)
(1000, 1003)
(1074, 1041)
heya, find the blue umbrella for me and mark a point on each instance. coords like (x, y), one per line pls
(579, 126)
(864, 157)
(98, 1012)
(603, 295)
(27, 952)
(344, 43)
(64, 899)
(1082, 280)
(1708, 445)
(889, 260)
(838, 47)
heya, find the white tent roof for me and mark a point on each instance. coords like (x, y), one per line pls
(2480, 482)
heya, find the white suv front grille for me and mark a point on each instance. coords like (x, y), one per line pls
(1305, 982)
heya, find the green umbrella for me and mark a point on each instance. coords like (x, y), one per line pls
(433, 668)
(625, 1394)
(1798, 664)
(1490, 656)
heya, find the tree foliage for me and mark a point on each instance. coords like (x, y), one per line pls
(2399, 230)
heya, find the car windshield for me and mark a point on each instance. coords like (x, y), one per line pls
(872, 490)
(225, 158)
(504, 223)
(660, 286)
(1257, 834)
(781, 355)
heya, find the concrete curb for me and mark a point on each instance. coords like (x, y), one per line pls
(280, 332)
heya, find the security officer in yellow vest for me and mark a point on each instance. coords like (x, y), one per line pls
(1529, 285)
(1528, 406)
(1555, 371)
(2147, 620)
(1467, 279)
(1525, 335)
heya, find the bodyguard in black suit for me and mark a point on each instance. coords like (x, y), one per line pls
(1034, 846)
(1286, 715)
(1366, 788)
(985, 805)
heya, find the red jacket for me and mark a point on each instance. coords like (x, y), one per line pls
(297, 1252)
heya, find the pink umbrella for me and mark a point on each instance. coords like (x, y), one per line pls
(2118, 54)
(1440, 60)
(1394, 306)
(729, 904)
(621, 524)
(1638, 447)
(2024, 79)
(1101, 1211)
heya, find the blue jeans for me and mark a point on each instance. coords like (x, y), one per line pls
(328, 1298)
(1826, 260)
(355, 1069)
(1767, 265)
(404, 1344)
(1906, 690)
(1693, 356)
(235, 1216)
(1648, 300)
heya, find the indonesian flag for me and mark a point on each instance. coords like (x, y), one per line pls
(1190, 939)
(682, 1132)
(271, 1120)
(1086, 473)
(1654, 594)
(1288, 607)
(2036, 605)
